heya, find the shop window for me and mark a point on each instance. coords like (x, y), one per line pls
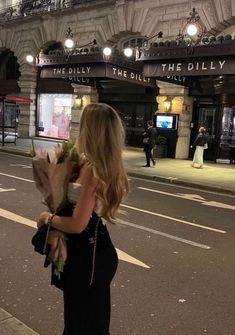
(54, 115)
(228, 126)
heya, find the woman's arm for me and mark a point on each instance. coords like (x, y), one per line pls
(83, 209)
(196, 141)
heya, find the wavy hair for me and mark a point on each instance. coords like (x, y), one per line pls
(101, 140)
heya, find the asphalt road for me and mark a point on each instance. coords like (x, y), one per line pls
(180, 280)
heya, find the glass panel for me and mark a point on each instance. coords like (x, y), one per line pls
(228, 126)
(54, 115)
(207, 120)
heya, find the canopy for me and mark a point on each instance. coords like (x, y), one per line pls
(18, 99)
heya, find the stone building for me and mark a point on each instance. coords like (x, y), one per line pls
(29, 27)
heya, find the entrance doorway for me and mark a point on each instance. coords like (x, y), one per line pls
(206, 115)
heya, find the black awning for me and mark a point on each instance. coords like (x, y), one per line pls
(96, 71)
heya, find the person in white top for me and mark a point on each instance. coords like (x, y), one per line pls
(91, 257)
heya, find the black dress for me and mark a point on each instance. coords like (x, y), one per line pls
(90, 267)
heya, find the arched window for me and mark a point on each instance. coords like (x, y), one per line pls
(133, 42)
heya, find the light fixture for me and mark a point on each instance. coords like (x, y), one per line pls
(128, 52)
(69, 43)
(29, 58)
(107, 51)
(79, 101)
(193, 31)
(167, 104)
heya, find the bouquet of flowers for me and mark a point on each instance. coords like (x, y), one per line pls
(52, 172)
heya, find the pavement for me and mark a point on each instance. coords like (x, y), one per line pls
(213, 177)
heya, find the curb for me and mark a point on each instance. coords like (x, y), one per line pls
(9, 325)
(15, 152)
(168, 180)
(176, 181)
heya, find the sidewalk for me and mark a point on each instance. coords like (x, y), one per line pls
(214, 177)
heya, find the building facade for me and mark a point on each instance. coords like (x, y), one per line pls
(34, 27)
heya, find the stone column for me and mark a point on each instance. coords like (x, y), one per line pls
(87, 94)
(27, 84)
(182, 104)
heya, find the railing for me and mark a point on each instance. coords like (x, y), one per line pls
(26, 8)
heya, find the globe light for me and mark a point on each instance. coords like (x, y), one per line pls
(192, 29)
(29, 58)
(128, 52)
(69, 43)
(107, 51)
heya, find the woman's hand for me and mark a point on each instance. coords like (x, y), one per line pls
(43, 218)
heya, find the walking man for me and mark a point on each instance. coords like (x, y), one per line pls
(149, 141)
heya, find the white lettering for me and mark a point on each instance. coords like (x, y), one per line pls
(190, 66)
(212, 66)
(178, 67)
(203, 66)
(221, 63)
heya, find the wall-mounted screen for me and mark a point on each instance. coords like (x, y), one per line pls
(166, 121)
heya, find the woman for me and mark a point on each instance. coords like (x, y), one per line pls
(91, 258)
(199, 143)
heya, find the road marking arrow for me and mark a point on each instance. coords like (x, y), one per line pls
(22, 220)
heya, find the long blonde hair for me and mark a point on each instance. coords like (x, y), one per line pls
(101, 139)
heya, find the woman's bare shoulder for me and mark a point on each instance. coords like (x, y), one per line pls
(87, 177)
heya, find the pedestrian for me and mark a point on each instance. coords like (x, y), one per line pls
(91, 257)
(200, 143)
(149, 141)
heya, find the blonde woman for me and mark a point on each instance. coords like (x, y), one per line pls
(91, 257)
(200, 143)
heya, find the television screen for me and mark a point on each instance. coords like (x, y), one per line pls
(165, 121)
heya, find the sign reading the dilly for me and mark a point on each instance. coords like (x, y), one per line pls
(76, 73)
(190, 68)
(117, 72)
(81, 71)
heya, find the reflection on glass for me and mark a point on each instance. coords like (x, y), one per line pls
(228, 126)
(55, 115)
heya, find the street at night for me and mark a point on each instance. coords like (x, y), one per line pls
(176, 259)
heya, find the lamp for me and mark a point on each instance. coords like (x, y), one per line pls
(167, 104)
(71, 47)
(193, 31)
(79, 101)
(29, 58)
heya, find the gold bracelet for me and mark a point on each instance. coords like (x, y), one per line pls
(49, 219)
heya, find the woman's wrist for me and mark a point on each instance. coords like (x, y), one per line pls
(49, 219)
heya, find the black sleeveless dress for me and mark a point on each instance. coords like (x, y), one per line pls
(90, 267)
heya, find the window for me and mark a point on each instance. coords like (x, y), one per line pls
(54, 115)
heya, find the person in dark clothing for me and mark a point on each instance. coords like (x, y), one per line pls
(92, 260)
(149, 141)
(200, 143)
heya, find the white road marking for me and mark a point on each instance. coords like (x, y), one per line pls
(218, 205)
(10, 176)
(157, 232)
(22, 220)
(6, 189)
(174, 219)
(17, 218)
(192, 197)
(127, 258)
(22, 165)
